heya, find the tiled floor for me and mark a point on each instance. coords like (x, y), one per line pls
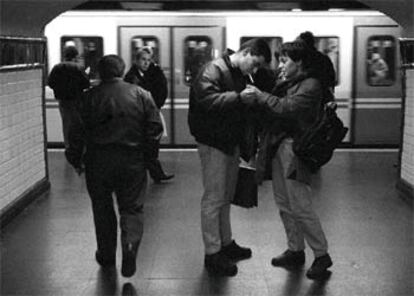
(49, 248)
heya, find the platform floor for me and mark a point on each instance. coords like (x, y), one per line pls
(49, 248)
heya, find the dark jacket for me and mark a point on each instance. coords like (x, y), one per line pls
(153, 81)
(288, 111)
(215, 115)
(115, 113)
(68, 81)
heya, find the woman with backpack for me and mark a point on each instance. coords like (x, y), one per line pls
(288, 111)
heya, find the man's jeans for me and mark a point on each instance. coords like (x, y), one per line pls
(294, 200)
(219, 172)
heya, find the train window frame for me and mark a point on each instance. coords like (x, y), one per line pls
(391, 68)
(93, 67)
(188, 74)
(336, 63)
(156, 57)
(273, 64)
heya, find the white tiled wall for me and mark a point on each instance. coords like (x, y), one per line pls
(407, 158)
(22, 162)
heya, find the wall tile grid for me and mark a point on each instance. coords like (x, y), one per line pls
(22, 162)
(407, 159)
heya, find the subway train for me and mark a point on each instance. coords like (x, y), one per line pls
(363, 46)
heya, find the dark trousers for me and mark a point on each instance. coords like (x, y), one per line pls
(154, 165)
(121, 171)
(70, 115)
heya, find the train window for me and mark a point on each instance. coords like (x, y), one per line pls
(90, 51)
(198, 50)
(274, 43)
(329, 45)
(139, 41)
(20, 51)
(381, 60)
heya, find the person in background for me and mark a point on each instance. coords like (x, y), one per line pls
(378, 69)
(292, 107)
(323, 68)
(150, 76)
(68, 81)
(217, 122)
(120, 124)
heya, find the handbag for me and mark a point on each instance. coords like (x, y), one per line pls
(246, 188)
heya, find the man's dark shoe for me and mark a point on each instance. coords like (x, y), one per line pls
(289, 259)
(319, 267)
(235, 252)
(218, 264)
(129, 257)
(163, 177)
(104, 261)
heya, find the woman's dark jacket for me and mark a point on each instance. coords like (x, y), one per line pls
(291, 108)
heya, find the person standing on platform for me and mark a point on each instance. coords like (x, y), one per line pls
(290, 109)
(150, 76)
(216, 120)
(120, 124)
(68, 82)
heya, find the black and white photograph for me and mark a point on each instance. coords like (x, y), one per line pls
(206, 148)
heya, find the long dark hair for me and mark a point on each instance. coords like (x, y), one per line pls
(298, 51)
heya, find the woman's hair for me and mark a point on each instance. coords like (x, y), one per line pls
(144, 50)
(298, 51)
(111, 66)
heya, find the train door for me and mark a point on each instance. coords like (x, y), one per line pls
(193, 47)
(183, 49)
(377, 104)
(131, 39)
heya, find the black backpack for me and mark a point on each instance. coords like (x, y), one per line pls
(316, 145)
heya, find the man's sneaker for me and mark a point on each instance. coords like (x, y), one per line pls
(104, 261)
(235, 252)
(129, 258)
(218, 264)
(289, 259)
(319, 267)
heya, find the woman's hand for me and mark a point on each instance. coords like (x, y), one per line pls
(250, 94)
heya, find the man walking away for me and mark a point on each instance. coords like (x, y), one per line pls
(68, 81)
(120, 123)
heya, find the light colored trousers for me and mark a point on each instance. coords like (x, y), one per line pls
(294, 200)
(219, 172)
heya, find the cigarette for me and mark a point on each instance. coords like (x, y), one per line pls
(250, 78)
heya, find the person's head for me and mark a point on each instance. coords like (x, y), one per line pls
(111, 66)
(70, 53)
(308, 38)
(375, 57)
(252, 55)
(295, 59)
(144, 58)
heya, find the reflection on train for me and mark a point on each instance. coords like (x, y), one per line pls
(362, 46)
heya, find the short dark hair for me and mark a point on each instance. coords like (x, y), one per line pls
(70, 52)
(257, 47)
(298, 51)
(111, 66)
(308, 38)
